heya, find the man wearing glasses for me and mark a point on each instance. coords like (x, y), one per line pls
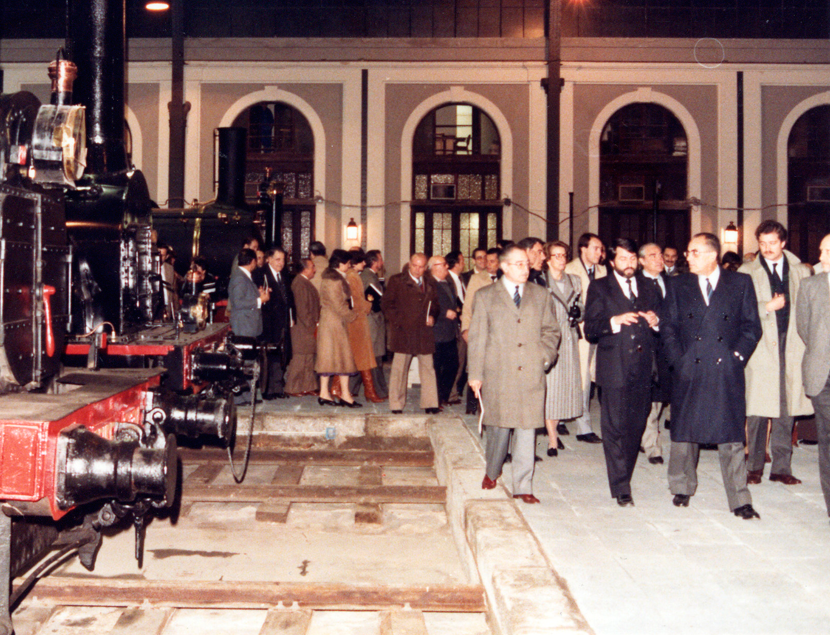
(513, 341)
(709, 327)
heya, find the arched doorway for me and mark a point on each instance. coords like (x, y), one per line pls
(644, 177)
(281, 149)
(808, 187)
(456, 189)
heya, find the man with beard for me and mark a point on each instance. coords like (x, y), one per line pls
(709, 328)
(621, 317)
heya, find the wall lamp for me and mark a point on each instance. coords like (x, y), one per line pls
(730, 234)
(351, 230)
(157, 5)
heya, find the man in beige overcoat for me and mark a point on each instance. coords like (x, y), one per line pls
(774, 390)
(513, 341)
(586, 266)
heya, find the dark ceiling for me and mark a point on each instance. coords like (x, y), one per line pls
(448, 18)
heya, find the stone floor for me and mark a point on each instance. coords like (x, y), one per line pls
(655, 568)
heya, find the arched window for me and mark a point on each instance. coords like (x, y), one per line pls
(281, 151)
(644, 177)
(456, 189)
(808, 170)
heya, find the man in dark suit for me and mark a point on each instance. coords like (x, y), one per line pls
(276, 321)
(813, 322)
(709, 326)
(621, 317)
(445, 329)
(535, 249)
(651, 260)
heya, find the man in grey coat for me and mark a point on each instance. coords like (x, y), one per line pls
(513, 341)
(244, 298)
(813, 322)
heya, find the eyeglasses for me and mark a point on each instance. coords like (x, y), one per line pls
(559, 256)
(698, 252)
(522, 264)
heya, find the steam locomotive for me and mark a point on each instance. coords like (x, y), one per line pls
(82, 448)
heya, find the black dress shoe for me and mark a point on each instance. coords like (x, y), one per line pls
(349, 404)
(625, 500)
(560, 445)
(508, 458)
(471, 411)
(562, 429)
(655, 460)
(432, 411)
(553, 452)
(746, 512)
(591, 437)
(397, 412)
(326, 402)
(537, 459)
(681, 500)
(274, 395)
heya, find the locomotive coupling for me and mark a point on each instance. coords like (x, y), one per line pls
(90, 467)
(196, 415)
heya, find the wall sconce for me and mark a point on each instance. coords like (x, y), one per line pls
(157, 5)
(730, 234)
(351, 230)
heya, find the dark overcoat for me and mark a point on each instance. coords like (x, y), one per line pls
(700, 342)
(405, 307)
(626, 356)
(276, 312)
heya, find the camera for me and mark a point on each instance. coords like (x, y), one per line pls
(574, 314)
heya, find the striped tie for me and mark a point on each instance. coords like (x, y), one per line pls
(517, 298)
(709, 291)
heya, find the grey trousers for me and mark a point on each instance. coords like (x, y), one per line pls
(821, 404)
(781, 430)
(583, 422)
(524, 455)
(683, 471)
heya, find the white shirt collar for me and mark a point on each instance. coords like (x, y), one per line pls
(246, 272)
(775, 262)
(511, 286)
(713, 280)
(623, 282)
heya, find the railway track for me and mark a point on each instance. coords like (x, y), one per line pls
(347, 539)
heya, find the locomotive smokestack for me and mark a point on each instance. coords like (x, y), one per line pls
(96, 41)
(232, 148)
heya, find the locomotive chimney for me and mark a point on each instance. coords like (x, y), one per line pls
(231, 187)
(96, 41)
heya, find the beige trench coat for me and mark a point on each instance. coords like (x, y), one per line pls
(762, 392)
(576, 268)
(509, 351)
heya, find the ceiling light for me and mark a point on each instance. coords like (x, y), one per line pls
(157, 5)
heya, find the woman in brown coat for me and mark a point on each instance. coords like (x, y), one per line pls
(334, 353)
(359, 335)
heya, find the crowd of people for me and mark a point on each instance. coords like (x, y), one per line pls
(718, 350)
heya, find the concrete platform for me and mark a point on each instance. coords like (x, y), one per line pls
(658, 569)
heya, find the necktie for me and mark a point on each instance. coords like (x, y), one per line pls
(776, 277)
(591, 273)
(709, 291)
(420, 284)
(516, 297)
(631, 295)
(493, 277)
